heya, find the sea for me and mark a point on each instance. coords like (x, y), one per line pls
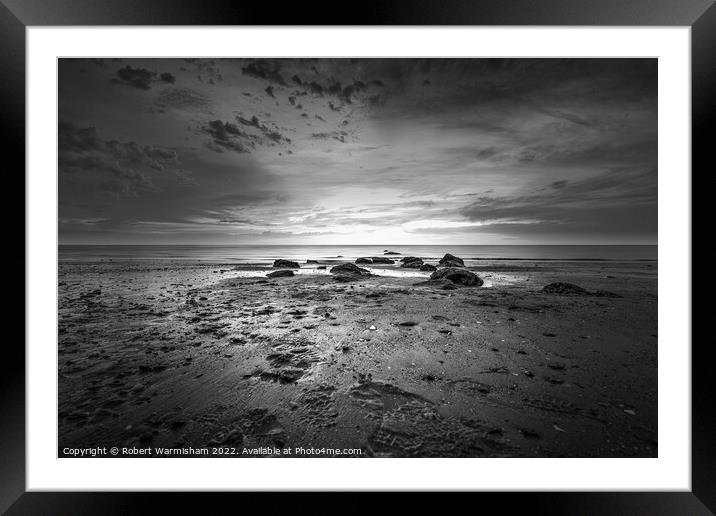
(265, 254)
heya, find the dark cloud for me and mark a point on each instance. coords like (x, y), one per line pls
(334, 135)
(272, 134)
(265, 69)
(596, 153)
(141, 78)
(167, 77)
(595, 203)
(269, 92)
(119, 167)
(315, 88)
(226, 135)
(136, 77)
(252, 122)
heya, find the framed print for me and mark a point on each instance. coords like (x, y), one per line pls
(442, 248)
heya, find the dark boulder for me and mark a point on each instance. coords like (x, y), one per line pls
(390, 252)
(311, 261)
(565, 289)
(349, 268)
(458, 276)
(348, 272)
(364, 260)
(380, 259)
(428, 268)
(286, 264)
(321, 267)
(411, 262)
(451, 261)
(280, 274)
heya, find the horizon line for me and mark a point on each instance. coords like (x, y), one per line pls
(345, 245)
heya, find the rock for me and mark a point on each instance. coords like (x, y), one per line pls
(458, 276)
(411, 262)
(451, 261)
(346, 272)
(286, 264)
(390, 252)
(349, 268)
(427, 267)
(564, 289)
(380, 259)
(311, 261)
(364, 260)
(321, 267)
(279, 274)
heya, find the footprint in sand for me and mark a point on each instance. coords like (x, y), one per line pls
(410, 425)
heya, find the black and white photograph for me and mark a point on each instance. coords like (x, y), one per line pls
(357, 257)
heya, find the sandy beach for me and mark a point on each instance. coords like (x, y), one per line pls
(171, 353)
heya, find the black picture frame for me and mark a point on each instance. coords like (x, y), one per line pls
(16, 15)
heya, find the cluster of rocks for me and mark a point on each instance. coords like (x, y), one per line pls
(284, 265)
(450, 274)
(413, 262)
(374, 259)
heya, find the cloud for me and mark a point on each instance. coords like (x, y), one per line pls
(334, 135)
(141, 78)
(181, 98)
(596, 203)
(265, 69)
(136, 77)
(315, 88)
(269, 133)
(167, 77)
(119, 167)
(225, 135)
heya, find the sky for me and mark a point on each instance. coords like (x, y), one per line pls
(357, 151)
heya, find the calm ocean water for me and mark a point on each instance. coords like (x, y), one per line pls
(266, 254)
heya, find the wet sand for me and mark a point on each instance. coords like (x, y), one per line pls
(173, 354)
